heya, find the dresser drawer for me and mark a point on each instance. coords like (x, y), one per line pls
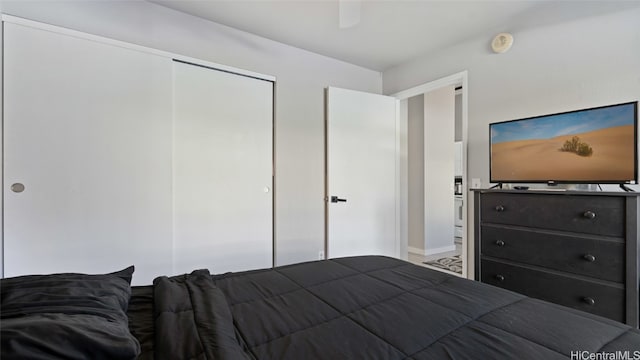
(592, 297)
(599, 215)
(578, 255)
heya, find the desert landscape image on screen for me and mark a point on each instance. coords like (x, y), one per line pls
(588, 145)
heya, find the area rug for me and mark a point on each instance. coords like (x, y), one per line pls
(451, 263)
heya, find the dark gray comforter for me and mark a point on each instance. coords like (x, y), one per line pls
(367, 308)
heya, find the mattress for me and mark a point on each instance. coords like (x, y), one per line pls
(367, 307)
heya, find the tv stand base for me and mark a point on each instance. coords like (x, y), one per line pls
(626, 188)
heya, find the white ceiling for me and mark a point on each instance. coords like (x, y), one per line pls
(390, 32)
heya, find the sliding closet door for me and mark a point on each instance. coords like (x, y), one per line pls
(222, 170)
(87, 156)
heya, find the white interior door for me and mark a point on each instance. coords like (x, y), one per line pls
(87, 137)
(361, 169)
(222, 170)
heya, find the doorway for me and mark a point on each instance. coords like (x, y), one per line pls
(433, 141)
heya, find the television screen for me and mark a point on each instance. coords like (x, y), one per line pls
(595, 146)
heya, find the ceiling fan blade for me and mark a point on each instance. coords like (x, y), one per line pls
(349, 12)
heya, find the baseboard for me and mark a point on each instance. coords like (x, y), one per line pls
(423, 252)
(439, 250)
(415, 250)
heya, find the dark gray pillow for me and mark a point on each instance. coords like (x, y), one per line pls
(71, 316)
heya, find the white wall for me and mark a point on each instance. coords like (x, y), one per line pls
(299, 108)
(439, 124)
(572, 65)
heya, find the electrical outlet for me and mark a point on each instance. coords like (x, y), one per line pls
(476, 183)
(321, 255)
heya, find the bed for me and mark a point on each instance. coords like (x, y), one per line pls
(366, 307)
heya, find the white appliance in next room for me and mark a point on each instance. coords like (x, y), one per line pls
(458, 216)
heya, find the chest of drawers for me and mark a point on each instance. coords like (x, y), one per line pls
(577, 249)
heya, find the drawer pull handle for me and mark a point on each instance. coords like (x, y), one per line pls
(589, 301)
(589, 215)
(589, 258)
(499, 242)
(499, 277)
(499, 208)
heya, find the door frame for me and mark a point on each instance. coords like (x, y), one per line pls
(457, 79)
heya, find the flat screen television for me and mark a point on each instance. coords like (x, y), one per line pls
(594, 146)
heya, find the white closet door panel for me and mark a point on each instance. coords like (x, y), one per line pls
(87, 130)
(222, 170)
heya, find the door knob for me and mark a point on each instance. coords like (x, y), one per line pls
(335, 199)
(17, 188)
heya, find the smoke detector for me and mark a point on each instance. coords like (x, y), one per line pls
(502, 43)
